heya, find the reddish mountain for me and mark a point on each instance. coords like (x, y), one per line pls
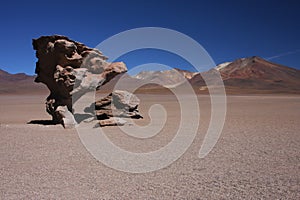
(18, 83)
(5, 76)
(255, 75)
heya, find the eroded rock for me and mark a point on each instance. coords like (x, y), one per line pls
(118, 104)
(70, 68)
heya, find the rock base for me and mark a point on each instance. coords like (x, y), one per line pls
(119, 104)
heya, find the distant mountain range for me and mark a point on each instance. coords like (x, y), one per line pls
(169, 78)
(252, 75)
(245, 75)
(18, 83)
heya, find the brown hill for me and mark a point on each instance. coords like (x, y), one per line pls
(18, 83)
(5, 76)
(255, 75)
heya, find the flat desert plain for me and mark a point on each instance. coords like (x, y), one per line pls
(256, 157)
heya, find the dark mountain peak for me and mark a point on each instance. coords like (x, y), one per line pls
(2, 72)
(255, 63)
(242, 62)
(254, 58)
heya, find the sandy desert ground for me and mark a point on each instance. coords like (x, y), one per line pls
(256, 157)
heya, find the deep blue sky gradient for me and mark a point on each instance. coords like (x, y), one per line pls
(226, 29)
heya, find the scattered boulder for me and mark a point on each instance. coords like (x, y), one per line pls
(118, 104)
(113, 121)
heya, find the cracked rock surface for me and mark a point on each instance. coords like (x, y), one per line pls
(119, 104)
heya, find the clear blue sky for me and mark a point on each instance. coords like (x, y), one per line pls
(226, 29)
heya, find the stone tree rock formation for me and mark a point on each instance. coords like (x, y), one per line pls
(61, 61)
